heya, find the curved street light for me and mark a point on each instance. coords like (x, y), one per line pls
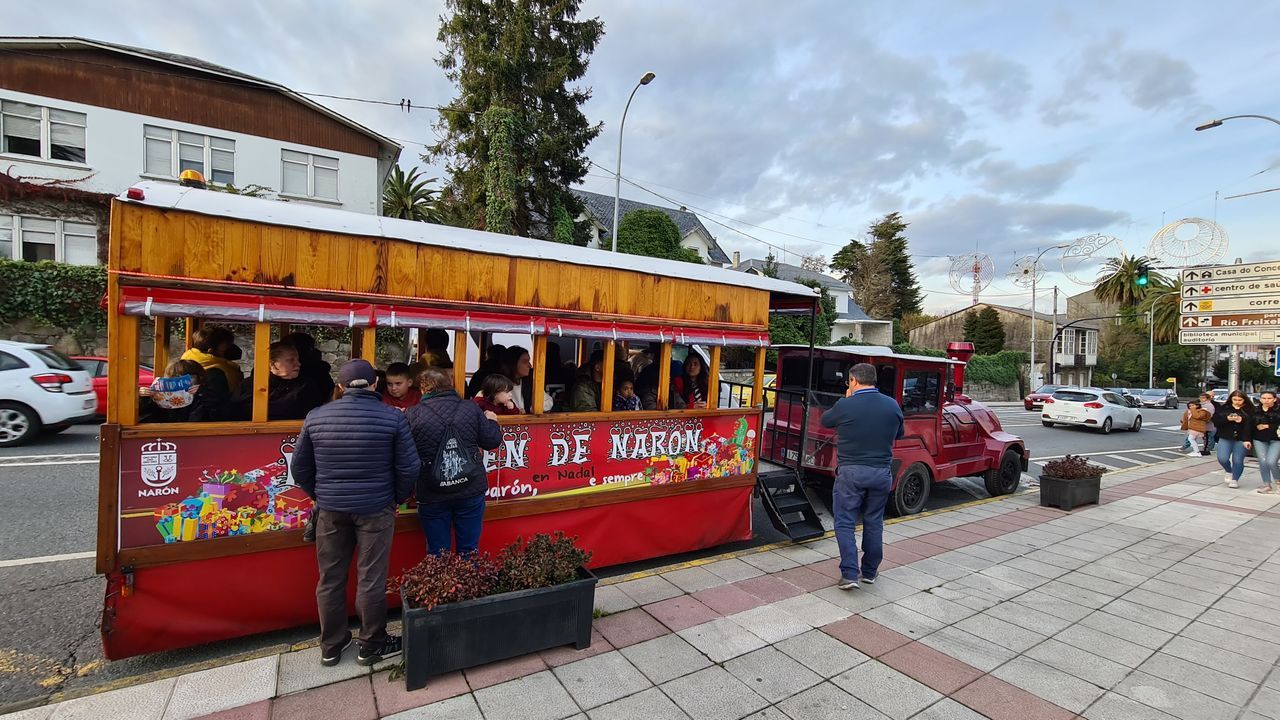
(1215, 123)
(617, 176)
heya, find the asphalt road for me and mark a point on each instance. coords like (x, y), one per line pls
(49, 608)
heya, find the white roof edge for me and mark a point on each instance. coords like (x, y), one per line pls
(302, 215)
(49, 40)
(874, 351)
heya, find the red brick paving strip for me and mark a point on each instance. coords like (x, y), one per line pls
(727, 599)
(256, 711)
(868, 637)
(499, 672)
(769, 588)
(555, 657)
(347, 700)
(807, 579)
(392, 698)
(999, 700)
(680, 613)
(630, 627)
(934, 668)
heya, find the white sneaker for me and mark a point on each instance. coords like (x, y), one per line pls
(1233, 484)
(1193, 453)
(1226, 478)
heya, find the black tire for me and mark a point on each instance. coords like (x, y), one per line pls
(1137, 424)
(1170, 405)
(1046, 423)
(1004, 478)
(1106, 427)
(911, 492)
(19, 424)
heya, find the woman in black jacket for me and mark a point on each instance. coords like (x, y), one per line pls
(1266, 444)
(290, 396)
(452, 484)
(1234, 421)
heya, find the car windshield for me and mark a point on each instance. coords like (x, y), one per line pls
(1075, 396)
(56, 360)
(1155, 392)
(1046, 389)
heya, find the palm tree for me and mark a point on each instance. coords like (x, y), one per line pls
(1162, 301)
(409, 197)
(1119, 281)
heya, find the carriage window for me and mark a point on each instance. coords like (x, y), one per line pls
(886, 379)
(920, 392)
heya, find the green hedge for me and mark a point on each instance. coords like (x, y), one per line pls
(61, 296)
(1002, 368)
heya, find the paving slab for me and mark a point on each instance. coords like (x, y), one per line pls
(1081, 636)
(994, 698)
(533, 697)
(462, 707)
(391, 696)
(827, 702)
(1000, 632)
(665, 658)
(649, 589)
(713, 694)
(693, 579)
(609, 599)
(733, 569)
(771, 623)
(348, 700)
(1112, 706)
(1214, 683)
(886, 689)
(813, 610)
(1218, 658)
(821, 653)
(1090, 667)
(601, 679)
(772, 674)
(223, 688)
(630, 627)
(1174, 699)
(722, 639)
(948, 709)
(140, 702)
(968, 648)
(302, 670)
(681, 612)
(651, 704)
(727, 599)
(1056, 686)
(769, 562)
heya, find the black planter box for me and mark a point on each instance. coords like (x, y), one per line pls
(484, 630)
(1067, 494)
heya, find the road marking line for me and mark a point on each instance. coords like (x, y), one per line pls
(47, 456)
(1158, 458)
(1059, 457)
(1127, 462)
(46, 559)
(57, 462)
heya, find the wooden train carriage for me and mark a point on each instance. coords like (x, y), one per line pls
(199, 524)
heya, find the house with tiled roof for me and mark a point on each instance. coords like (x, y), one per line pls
(851, 320)
(693, 234)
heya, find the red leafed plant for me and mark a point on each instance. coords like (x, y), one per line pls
(446, 578)
(1072, 467)
(544, 561)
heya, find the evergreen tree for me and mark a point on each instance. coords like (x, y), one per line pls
(887, 235)
(970, 328)
(653, 233)
(867, 269)
(515, 137)
(770, 268)
(794, 329)
(990, 332)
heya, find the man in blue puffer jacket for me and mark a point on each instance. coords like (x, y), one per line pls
(356, 459)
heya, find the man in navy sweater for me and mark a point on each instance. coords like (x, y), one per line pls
(867, 423)
(356, 458)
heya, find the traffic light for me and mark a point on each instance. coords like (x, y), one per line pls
(1143, 275)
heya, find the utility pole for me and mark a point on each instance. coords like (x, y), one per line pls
(1151, 350)
(1053, 376)
(1233, 374)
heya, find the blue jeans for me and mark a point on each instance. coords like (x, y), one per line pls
(445, 521)
(1210, 438)
(860, 491)
(1231, 457)
(1268, 453)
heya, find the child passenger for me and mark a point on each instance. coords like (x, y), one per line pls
(400, 391)
(626, 398)
(496, 396)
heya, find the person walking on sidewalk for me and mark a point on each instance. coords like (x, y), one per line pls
(1234, 422)
(867, 424)
(1266, 444)
(355, 457)
(1210, 433)
(1195, 421)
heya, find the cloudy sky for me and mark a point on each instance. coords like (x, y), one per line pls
(993, 127)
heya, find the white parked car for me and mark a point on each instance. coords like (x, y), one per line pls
(41, 390)
(1100, 409)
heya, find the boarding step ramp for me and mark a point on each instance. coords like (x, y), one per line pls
(784, 498)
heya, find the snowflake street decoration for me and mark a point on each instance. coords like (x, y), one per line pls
(972, 273)
(1026, 272)
(1189, 241)
(1082, 259)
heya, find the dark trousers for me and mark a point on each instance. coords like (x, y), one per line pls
(860, 492)
(339, 536)
(445, 521)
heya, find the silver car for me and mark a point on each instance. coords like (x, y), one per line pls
(1158, 397)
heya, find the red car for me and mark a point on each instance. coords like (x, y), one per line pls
(1035, 400)
(97, 369)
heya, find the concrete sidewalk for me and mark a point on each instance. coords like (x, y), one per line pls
(1162, 602)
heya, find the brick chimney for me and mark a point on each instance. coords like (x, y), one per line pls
(737, 258)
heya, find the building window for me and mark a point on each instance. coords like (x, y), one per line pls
(169, 152)
(1091, 348)
(311, 176)
(35, 238)
(41, 132)
(1067, 342)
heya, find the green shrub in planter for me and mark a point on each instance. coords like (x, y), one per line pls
(1069, 482)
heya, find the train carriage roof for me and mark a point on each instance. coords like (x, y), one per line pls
(310, 217)
(873, 351)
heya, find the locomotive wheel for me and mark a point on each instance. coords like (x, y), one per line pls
(912, 491)
(1004, 479)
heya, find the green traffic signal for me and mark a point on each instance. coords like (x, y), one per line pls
(1142, 276)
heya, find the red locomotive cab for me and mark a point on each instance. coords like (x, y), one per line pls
(946, 433)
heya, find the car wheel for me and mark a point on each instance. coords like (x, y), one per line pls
(1046, 423)
(1004, 479)
(1170, 405)
(1106, 427)
(18, 424)
(1137, 424)
(912, 490)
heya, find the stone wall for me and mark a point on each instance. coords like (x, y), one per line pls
(986, 392)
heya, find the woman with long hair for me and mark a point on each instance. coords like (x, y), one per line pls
(692, 383)
(1234, 421)
(1266, 444)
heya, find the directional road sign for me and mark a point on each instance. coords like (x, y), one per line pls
(1252, 303)
(1230, 288)
(1240, 320)
(1252, 271)
(1226, 337)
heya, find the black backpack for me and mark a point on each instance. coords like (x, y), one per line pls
(454, 465)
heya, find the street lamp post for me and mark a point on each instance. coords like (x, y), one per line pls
(1035, 266)
(617, 177)
(1233, 374)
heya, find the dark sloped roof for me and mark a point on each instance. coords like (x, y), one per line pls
(600, 207)
(38, 42)
(795, 273)
(1026, 312)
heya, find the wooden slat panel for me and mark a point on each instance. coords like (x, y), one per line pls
(460, 362)
(203, 249)
(278, 255)
(261, 370)
(314, 260)
(757, 383)
(486, 278)
(454, 266)
(606, 384)
(242, 245)
(163, 242)
(369, 269)
(664, 377)
(108, 496)
(402, 269)
(713, 378)
(129, 239)
(344, 271)
(539, 374)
